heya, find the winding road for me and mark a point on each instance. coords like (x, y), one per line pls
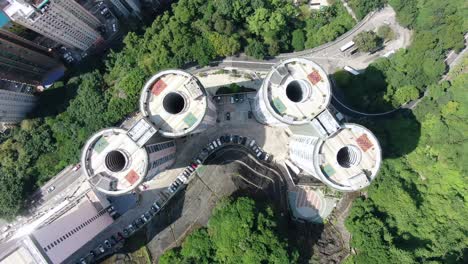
(331, 58)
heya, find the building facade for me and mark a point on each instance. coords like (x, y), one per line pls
(63, 21)
(24, 61)
(15, 106)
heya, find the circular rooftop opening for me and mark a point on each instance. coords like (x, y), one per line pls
(115, 161)
(174, 103)
(297, 91)
(348, 156)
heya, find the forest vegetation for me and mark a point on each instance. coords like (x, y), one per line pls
(390, 82)
(415, 211)
(239, 231)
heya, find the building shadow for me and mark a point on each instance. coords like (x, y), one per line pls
(364, 92)
(398, 133)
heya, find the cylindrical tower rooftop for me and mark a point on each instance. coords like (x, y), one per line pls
(349, 160)
(113, 162)
(177, 104)
(293, 93)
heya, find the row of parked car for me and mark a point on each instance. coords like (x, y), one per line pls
(233, 139)
(106, 245)
(126, 232)
(183, 178)
(144, 218)
(179, 182)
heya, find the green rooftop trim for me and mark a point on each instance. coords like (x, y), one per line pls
(42, 4)
(328, 170)
(100, 145)
(190, 119)
(278, 104)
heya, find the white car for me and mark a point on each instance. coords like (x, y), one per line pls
(182, 178)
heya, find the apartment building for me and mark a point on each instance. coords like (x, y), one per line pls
(24, 61)
(64, 21)
(14, 106)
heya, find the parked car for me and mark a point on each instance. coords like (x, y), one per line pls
(243, 140)
(147, 215)
(171, 189)
(77, 167)
(144, 218)
(179, 180)
(186, 173)
(156, 206)
(107, 243)
(101, 249)
(50, 189)
(224, 139)
(182, 178)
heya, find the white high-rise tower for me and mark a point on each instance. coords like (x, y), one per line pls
(296, 93)
(177, 104)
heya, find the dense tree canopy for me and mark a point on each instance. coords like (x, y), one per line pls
(439, 27)
(366, 41)
(362, 7)
(415, 211)
(238, 232)
(385, 32)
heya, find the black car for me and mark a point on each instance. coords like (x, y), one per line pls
(236, 139)
(228, 116)
(250, 114)
(147, 215)
(243, 141)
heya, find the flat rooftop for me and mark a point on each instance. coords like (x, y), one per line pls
(174, 101)
(297, 90)
(70, 232)
(350, 159)
(114, 163)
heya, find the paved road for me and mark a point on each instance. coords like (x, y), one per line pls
(65, 183)
(327, 55)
